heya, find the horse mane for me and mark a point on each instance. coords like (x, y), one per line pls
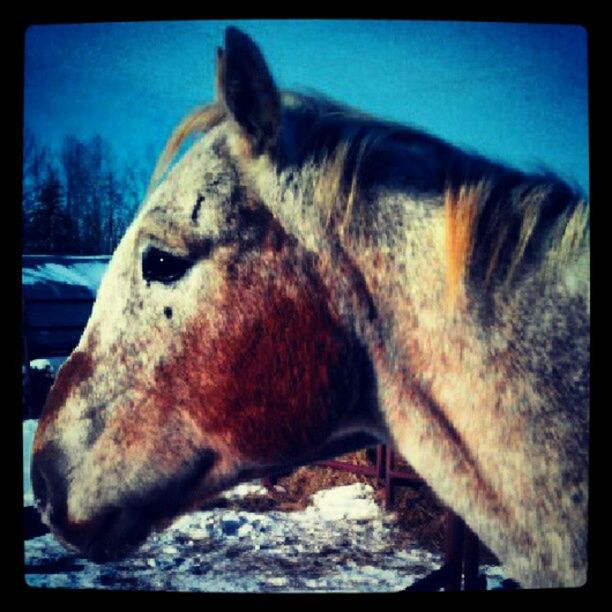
(201, 119)
(499, 222)
(497, 230)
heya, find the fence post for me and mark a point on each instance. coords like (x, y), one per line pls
(455, 529)
(471, 561)
(389, 497)
(26, 410)
(269, 482)
(380, 463)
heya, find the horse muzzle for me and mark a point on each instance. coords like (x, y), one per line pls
(115, 530)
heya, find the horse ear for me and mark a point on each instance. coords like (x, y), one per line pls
(219, 74)
(247, 89)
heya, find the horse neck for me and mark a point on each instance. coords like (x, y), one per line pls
(402, 262)
(459, 388)
(384, 277)
(455, 394)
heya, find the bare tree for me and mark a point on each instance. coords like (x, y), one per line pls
(80, 194)
(36, 165)
(48, 225)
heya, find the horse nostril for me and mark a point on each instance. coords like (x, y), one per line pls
(39, 485)
(48, 482)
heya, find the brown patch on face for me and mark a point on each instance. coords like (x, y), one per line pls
(78, 368)
(272, 380)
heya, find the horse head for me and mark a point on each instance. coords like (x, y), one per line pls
(215, 351)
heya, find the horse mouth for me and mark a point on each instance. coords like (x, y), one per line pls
(117, 531)
(109, 537)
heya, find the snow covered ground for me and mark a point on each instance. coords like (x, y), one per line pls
(79, 271)
(342, 541)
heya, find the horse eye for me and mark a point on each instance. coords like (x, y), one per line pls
(163, 267)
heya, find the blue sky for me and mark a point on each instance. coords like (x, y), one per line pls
(515, 92)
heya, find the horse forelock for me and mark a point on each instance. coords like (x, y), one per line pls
(200, 120)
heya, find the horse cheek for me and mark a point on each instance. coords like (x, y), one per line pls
(265, 384)
(286, 386)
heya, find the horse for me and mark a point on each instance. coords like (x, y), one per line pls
(305, 280)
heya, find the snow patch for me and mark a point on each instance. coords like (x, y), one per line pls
(41, 364)
(244, 489)
(29, 429)
(350, 502)
(84, 274)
